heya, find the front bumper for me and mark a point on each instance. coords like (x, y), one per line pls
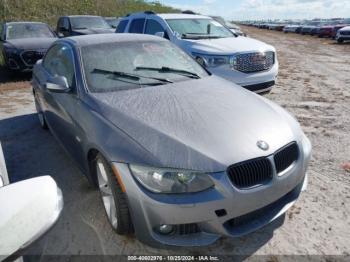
(342, 37)
(261, 88)
(221, 211)
(249, 79)
(16, 61)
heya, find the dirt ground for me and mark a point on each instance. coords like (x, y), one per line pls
(313, 84)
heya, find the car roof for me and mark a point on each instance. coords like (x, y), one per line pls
(24, 22)
(168, 15)
(183, 16)
(87, 40)
(82, 16)
(345, 28)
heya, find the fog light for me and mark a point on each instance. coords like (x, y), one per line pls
(166, 229)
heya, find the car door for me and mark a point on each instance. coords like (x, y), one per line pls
(152, 27)
(60, 108)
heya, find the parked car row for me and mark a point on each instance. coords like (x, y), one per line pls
(217, 45)
(22, 44)
(233, 27)
(335, 29)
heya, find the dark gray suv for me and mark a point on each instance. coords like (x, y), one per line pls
(22, 44)
(82, 25)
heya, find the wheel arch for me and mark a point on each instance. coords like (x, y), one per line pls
(91, 156)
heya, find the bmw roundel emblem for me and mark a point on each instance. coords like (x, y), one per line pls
(262, 145)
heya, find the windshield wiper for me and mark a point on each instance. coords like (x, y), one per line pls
(199, 36)
(165, 69)
(130, 76)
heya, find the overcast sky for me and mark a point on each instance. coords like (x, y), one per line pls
(265, 9)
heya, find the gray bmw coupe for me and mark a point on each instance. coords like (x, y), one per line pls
(181, 157)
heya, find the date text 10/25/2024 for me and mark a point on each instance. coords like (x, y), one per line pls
(173, 258)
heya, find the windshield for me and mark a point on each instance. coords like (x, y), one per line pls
(113, 22)
(26, 30)
(128, 65)
(199, 28)
(89, 23)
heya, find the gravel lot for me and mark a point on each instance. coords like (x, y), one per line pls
(313, 84)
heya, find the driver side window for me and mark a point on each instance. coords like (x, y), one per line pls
(153, 27)
(59, 62)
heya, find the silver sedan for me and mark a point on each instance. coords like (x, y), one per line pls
(181, 157)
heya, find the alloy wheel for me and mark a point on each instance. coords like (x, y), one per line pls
(106, 193)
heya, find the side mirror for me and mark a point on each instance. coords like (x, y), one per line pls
(160, 34)
(58, 84)
(28, 209)
(60, 35)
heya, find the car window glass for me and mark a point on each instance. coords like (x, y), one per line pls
(127, 57)
(59, 62)
(65, 23)
(60, 23)
(113, 22)
(49, 56)
(28, 30)
(153, 27)
(199, 27)
(89, 22)
(137, 26)
(121, 26)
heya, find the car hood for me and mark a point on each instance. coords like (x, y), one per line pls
(204, 125)
(92, 31)
(225, 46)
(346, 28)
(31, 43)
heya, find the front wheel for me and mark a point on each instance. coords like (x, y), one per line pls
(340, 41)
(113, 198)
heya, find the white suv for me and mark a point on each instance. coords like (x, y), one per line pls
(343, 34)
(242, 60)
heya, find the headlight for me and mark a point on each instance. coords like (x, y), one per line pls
(307, 147)
(174, 181)
(10, 50)
(213, 60)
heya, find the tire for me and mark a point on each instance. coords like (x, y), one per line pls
(114, 200)
(340, 41)
(41, 116)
